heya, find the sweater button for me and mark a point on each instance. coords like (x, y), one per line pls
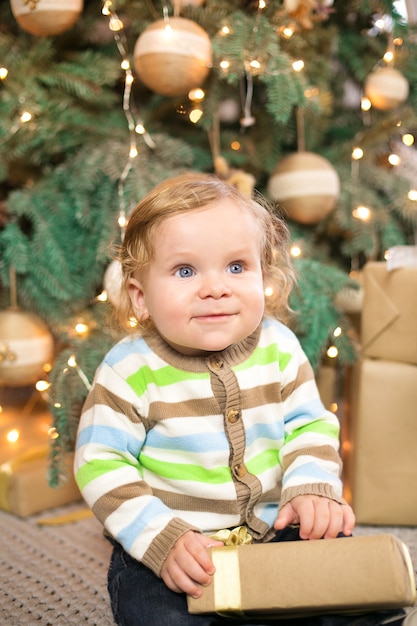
(233, 416)
(239, 470)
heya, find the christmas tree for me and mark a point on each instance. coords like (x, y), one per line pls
(310, 102)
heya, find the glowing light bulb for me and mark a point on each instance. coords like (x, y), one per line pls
(25, 117)
(337, 332)
(295, 251)
(394, 159)
(13, 435)
(53, 433)
(269, 292)
(115, 24)
(412, 195)
(197, 94)
(408, 139)
(224, 65)
(357, 153)
(3, 73)
(362, 213)
(366, 104)
(388, 56)
(298, 66)
(81, 328)
(332, 352)
(195, 115)
(42, 385)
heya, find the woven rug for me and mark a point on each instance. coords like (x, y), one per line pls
(55, 574)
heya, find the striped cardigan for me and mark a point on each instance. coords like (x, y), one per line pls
(168, 442)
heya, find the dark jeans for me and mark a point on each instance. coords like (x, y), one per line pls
(140, 598)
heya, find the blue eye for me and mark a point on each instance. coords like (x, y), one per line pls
(236, 268)
(184, 272)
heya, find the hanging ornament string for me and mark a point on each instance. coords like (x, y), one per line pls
(301, 138)
(13, 289)
(136, 127)
(247, 90)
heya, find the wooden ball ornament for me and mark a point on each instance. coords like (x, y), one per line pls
(386, 88)
(112, 282)
(171, 57)
(306, 185)
(46, 18)
(26, 345)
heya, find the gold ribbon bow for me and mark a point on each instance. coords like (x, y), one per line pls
(238, 536)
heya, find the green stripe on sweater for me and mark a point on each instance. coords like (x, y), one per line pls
(161, 377)
(90, 471)
(322, 428)
(265, 356)
(185, 471)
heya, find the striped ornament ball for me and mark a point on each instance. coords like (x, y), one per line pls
(26, 346)
(306, 186)
(46, 18)
(173, 56)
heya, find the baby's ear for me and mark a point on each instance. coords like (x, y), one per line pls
(137, 298)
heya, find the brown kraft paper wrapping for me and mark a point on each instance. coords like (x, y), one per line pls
(380, 443)
(309, 577)
(389, 316)
(24, 488)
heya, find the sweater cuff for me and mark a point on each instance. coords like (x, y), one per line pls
(160, 547)
(314, 489)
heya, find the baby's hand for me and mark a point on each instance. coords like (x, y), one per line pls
(188, 565)
(317, 516)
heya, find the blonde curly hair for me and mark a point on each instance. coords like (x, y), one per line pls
(189, 192)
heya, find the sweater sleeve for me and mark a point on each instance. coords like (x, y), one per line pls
(108, 472)
(310, 455)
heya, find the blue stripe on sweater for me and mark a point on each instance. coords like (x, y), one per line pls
(200, 442)
(308, 411)
(310, 470)
(126, 348)
(147, 516)
(107, 436)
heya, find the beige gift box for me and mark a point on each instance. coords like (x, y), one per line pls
(309, 577)
(24, 486)
(389, 316)
(379, 443)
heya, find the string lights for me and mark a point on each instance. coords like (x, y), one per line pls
(136, 126)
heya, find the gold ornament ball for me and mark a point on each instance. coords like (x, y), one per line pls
(386, 88)
(46, 18)
(306, 185)
(171, 57)
(26, 345)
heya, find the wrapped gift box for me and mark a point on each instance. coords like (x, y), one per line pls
(309, 577)
(25, 430)
(24, 486)
(389, 317)
(379, 442)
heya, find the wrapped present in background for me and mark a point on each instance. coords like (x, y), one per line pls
(379, 442)
(25, 433)
(389, 315)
